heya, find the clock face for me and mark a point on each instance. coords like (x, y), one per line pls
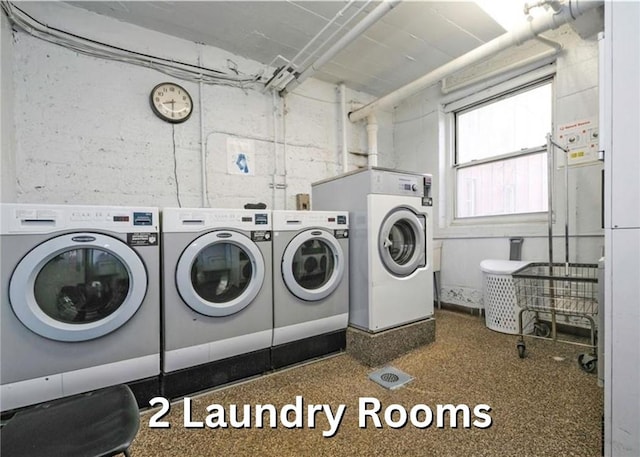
(171, 102)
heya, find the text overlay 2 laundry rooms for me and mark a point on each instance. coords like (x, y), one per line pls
(371, 413)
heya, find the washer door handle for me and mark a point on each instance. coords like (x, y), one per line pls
(83, 239)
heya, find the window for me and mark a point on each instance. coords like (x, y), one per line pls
(500, 161)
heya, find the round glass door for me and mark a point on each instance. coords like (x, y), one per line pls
(402, 242)
(220, 273)
(81, 285)
(312, 265)
(78, 287)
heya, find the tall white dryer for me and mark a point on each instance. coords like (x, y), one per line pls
(217, 300)
(310, 284)
(391, 280)
(80, 303)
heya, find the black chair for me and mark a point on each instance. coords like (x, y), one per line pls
(98, 424)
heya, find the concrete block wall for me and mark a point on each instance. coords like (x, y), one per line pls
(7, 157)
(85, 133)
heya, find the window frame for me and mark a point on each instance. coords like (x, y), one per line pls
(473, 101)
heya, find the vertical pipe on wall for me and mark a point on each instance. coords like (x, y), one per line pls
(566, 212)
(284, 149)
(343, 127)
(550, 199)
(275, 149)
(203, 147)
(372, 140)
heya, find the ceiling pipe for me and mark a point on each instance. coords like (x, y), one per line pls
(531, 29)
(335, 32)
(287, 72)
(554, 4)
(538, 60)
(342, 43)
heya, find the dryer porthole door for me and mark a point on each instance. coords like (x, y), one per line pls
(313, 265)
(220, 273)
(401, 242)
(78, 287)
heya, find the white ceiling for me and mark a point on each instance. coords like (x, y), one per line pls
(411, 40)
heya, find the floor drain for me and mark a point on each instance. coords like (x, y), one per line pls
(390, 377)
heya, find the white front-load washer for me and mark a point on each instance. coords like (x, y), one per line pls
(390, 245)
(310, 284)
(80, 301)
(217, 299)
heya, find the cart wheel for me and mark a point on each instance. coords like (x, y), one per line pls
(521, 349)
(588, 363)
(542, 329)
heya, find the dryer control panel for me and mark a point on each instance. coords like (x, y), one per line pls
(36, 218)
(297, 220)
(198, 219)
(394, 183)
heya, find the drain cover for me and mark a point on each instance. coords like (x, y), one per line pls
(390, 377)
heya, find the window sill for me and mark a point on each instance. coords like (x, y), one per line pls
(501, 220)
(535, 224)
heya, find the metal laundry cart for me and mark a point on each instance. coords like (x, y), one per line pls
(558, 290)
(567, 289)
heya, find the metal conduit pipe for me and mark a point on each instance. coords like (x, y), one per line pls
(274, 173)
(519, 35)
(554, 44)
(290, 63)
(204, 201)
(285, 171)
(342, 43)
(343, 126)
(335, 32)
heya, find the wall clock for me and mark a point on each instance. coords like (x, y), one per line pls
(171, 102)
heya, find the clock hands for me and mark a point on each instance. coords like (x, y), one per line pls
(171, 102)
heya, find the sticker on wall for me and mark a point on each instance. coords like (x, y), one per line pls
(581, 138)
(240, 156)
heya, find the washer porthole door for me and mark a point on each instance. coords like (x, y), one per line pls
(220, 273)
(402, 242)
(78, 287)
(313, 265)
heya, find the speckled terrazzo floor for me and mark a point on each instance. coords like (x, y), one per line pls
(540, 406)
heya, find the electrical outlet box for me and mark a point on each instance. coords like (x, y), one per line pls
(302, 202)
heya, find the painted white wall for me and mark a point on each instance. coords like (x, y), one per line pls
(621, 143)
(421, 144)
(85, 133)
(7, 147)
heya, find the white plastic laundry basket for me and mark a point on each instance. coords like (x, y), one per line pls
(500, 305)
